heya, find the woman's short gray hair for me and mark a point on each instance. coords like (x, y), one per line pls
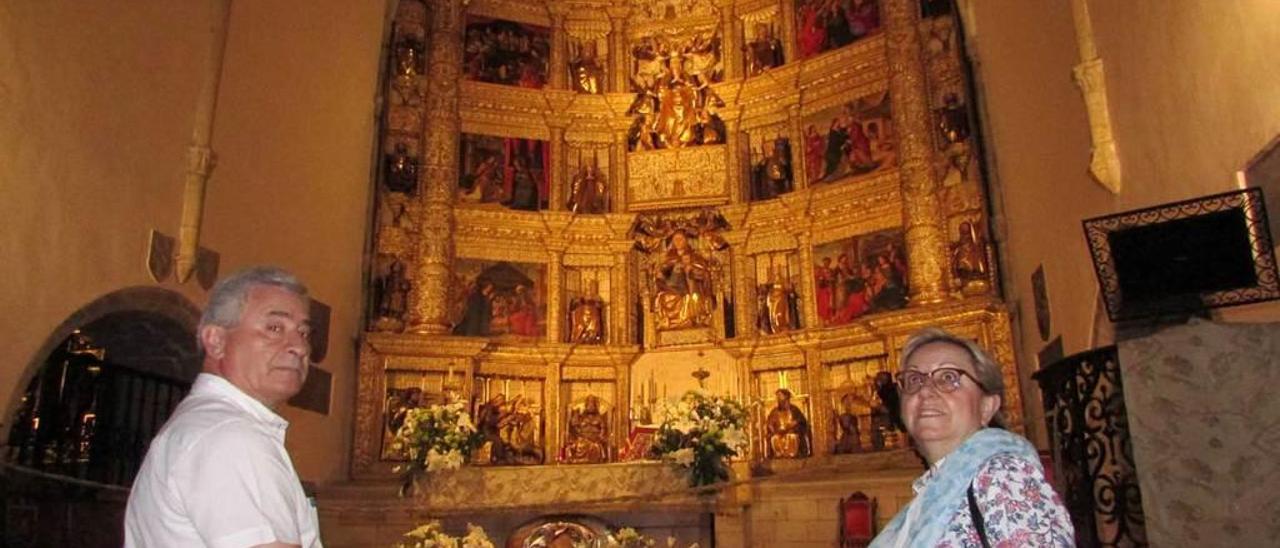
(226, 301)
(985, 368)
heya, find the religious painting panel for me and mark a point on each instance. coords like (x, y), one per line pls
(587, 418)
(675, 105)
(407, 390)
(589, 185)
(506, 52)
(860, 418)
(510, 414)
(499, 298)
(784, 428)
(848, 140)
(777, 299)
(771, 174)
(587, 292)
(860, 275)
(506, 171)
(823, 25)
(588, 60)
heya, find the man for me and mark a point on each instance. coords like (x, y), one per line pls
(217, 474)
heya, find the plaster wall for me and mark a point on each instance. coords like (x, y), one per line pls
(96, 110)
(1190, 90)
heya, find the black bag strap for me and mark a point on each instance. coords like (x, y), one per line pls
(976, 515)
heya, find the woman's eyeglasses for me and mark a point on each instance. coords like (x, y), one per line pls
(943, 379)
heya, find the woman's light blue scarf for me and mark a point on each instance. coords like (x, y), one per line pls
(947, 488)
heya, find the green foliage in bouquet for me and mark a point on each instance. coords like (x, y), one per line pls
(436, 437)
(698, 433)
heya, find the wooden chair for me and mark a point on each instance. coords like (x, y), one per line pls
(857, 520)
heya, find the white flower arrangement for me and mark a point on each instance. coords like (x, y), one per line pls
(436, 438)
(698, 433)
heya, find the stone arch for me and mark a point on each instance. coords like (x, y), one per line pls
(131, 321)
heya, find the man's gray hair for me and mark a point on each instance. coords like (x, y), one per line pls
(985, 368)
(226, 301)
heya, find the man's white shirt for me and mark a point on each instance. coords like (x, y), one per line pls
(218, 475)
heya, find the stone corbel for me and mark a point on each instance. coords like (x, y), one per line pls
(1089, 76)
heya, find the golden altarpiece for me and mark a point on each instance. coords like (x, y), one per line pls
(586, 207)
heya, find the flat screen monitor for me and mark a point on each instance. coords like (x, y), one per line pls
(1184, 257)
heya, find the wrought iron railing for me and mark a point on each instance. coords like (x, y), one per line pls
(1089, 432)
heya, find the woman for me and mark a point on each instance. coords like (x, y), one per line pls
(984, 486)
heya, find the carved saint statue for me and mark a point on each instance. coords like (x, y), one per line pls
(848, 435)
(886, 418)
(393, 292)
(685, 292)
(586, 75)
(402, 171)
(676, 104)
(764, 52)
(787, 429)
(586, 318)
(509, 430)
(772, 176)
(587, 191)
(489, 422)
(969, 260)
(776, 309)
(588, 439)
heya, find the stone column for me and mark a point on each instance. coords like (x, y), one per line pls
(619, 57)
(428, 309)
(555, 293)
(559, 50)
(790, 52)
(555, 188)
(922, 210)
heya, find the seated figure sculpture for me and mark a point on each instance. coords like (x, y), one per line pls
(587, 441)
(787, 429)
(685, 296)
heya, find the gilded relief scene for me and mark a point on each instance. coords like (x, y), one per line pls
(675, 105)
(860, 275)
(851, 139)
(499, 298)
(771, 171)
(506, 171)
(509, 415)
(684, 268)
(865, 406)
(824, 25)
(586, 437)
(786, 432)
(506, 52)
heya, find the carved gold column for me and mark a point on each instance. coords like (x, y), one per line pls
(428, 310)
(788, 29)
(555, 191)
(820, 413)
(621, 300)
(795, 133)
(922, 209)
(733, 149)
(744, 284)
(559, 38)
(1105, 164)
(619, 57)
(618, 166)
(555, 292)
(731, 30)
(808, 286)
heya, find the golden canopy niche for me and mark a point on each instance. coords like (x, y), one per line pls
(585, 230)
